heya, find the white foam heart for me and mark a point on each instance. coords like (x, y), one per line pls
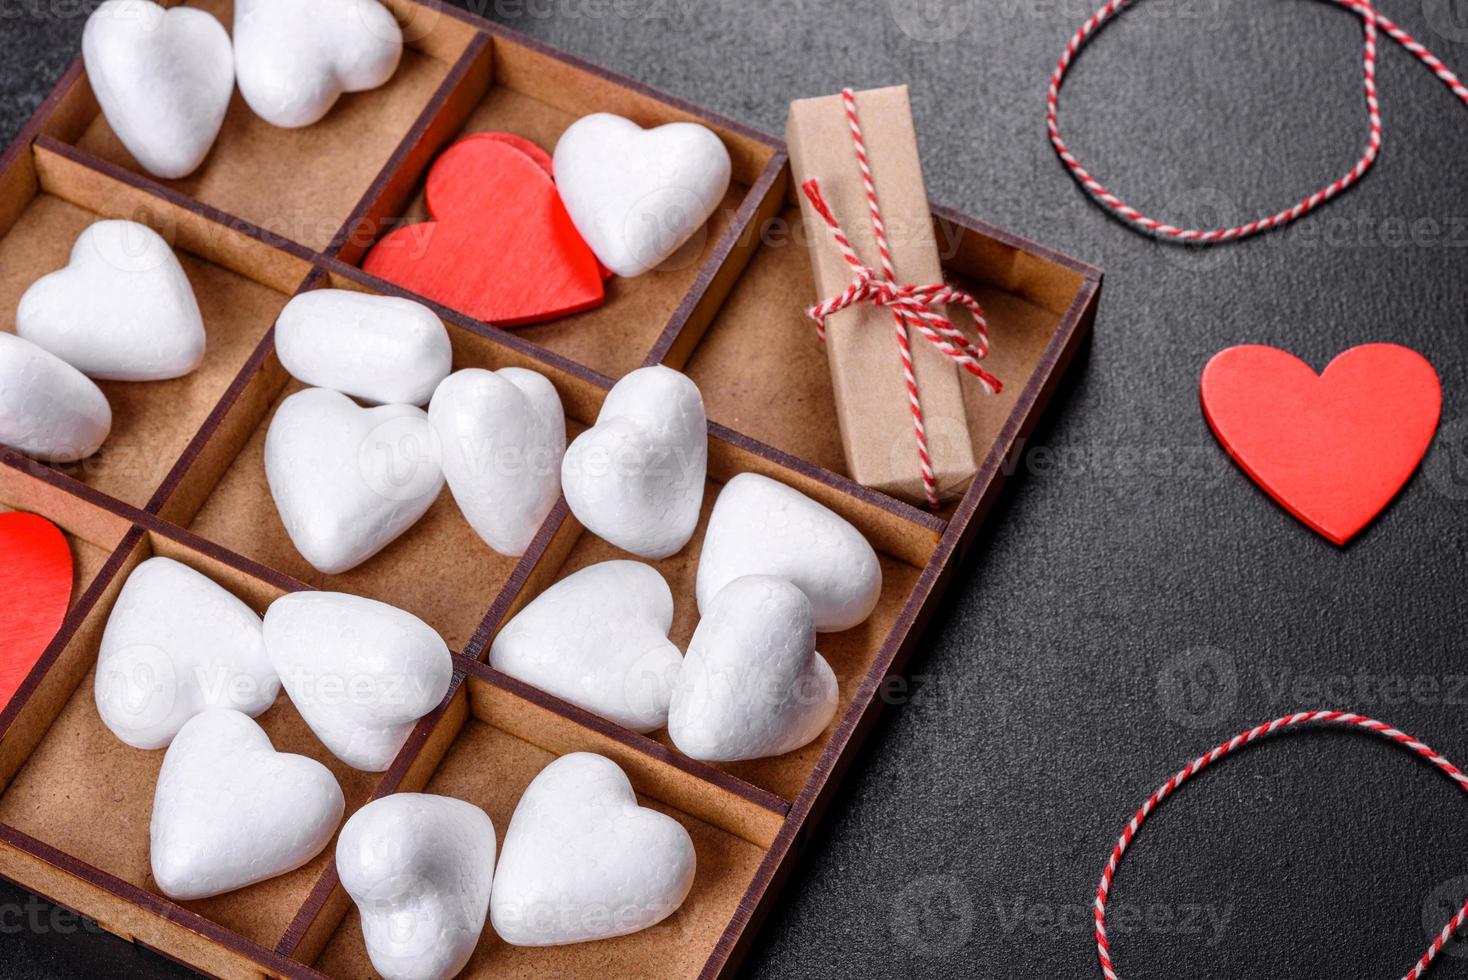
(163, 79)
(121, 310)
(752, 683)
(380, 349)
(177, 643)
(638, 195)
(360, 672)
(48, 409)
(599, 639)
(230, 811)
(636, 478)
(348, 480)
(502, 434)
(294, 59)
(582, 861)
(420, 869)
(760, 526)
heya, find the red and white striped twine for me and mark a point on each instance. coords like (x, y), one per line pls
(911, 305)
(1288, 722)
(1370, 21)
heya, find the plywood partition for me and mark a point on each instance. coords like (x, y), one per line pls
(303, 183)
(274, 212)
(510, 84)
(229, 243)
(239, 280)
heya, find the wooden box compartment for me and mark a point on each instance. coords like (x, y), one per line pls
(301, 184)
(513, 85)
(439, 569)
(79, 777)
(485, 748)
(240, 282)
(731, 317)
(904, 547)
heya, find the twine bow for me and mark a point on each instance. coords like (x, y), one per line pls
(912, 306)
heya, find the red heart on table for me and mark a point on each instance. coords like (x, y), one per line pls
(1332, 448)
(35, 591)
(501, 247)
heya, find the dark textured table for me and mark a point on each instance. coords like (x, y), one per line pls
(1134, 599)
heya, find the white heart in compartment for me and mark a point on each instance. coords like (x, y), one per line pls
(360, 672)
(636, 478)
(760, 526)
(752, 683)
(599, 639)
(163, 79)
(294, 59)
(348, 480)
(638, 195)
(175, 644)
(380, 349)
(420, 868)
(582, 861)
(48, 409)
(502, 435)
(121, 310)
(230, 811)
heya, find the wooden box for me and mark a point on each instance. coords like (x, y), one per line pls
(273, 212)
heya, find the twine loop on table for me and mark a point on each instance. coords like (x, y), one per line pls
(1288, 722)
(1371, 21)
(913, 306)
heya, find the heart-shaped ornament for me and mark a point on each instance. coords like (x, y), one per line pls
(230, 811)
(638, 195)
(582, 861)
(502, 434)
(636, 478)
(752, 683)
(360, 672)
(294, 60)
(381, 349)
(177, 643)
(1332, 448)
(599, 639)
(48, 409)
(121, 310)
(760, 526)
(501, 247)
(348, 480)
(35, 591)
(163, 79)
(420, 868)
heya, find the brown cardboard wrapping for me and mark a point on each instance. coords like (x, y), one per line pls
(872, 406)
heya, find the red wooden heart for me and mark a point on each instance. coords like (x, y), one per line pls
(1332, 448)
(501, 247)
(35, 590)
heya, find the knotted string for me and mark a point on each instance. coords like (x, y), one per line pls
(912, 306)
(1370, 22)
